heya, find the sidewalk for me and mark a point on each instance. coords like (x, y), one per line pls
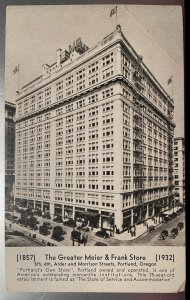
(140, 230)
(39, 237)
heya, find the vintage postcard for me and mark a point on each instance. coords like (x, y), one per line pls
(95, 149)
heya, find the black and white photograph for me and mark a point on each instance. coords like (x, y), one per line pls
(94, 126)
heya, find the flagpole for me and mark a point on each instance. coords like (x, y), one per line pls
(19, 78)
(172, 86)
(116, 16)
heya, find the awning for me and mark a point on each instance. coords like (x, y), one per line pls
(88, 214)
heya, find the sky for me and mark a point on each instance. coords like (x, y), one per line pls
(34, 33)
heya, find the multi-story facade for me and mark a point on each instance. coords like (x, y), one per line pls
(10, 110)
(179, 169)
(94, 136)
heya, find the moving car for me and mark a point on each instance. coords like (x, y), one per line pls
(102, 233)
(180, 225)
(163, 235)
(150, 228)
(174, 233)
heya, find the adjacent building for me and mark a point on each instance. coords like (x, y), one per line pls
(94, 137)
(10, 110)
(179, 169)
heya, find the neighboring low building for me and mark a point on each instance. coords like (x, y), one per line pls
(10, 110)
(179, 168)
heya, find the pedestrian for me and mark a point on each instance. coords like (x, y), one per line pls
(85, 239)
(132, 231)
(147, 225)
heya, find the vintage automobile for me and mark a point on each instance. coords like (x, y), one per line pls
(173, 215)
(58, 219)
(48, 225)
(150, 228)
(58, 233)
(180, 226)
(102, 233)
(174, 233)
(163, 235)
(70, 223)
(46, 215)
(166, 219)
(179, 211)
(44, 230)
(38, 213)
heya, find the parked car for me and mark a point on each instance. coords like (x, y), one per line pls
(180, 226)
(44, 230)
(170, 217)
(179, 211)
(46, 215)
(166, 219)
(163, 235)
(102, 233)
(173, 215)
(174, 233)
(59, 229)
(38, 213)
(48, 225)
(58, 219)
(150, 228)
(70, 223)
(35, 227)
(100, 244)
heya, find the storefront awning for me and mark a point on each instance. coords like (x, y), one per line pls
(88, 214)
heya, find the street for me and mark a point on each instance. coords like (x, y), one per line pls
(151, 239)
(148, 239)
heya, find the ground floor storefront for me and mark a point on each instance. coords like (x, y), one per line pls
(114, 221)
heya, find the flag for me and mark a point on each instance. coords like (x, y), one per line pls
(113, 11)
(16, 69)
(169, 80)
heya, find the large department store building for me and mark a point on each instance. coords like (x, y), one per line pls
(94, 137)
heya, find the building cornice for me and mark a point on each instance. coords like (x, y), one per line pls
(107, 42)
